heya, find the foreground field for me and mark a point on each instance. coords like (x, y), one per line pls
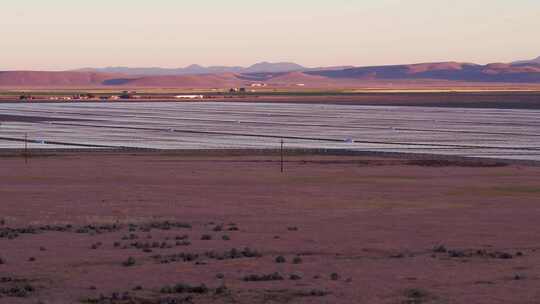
(113, 228)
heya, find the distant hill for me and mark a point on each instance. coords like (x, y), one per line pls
(532, 61)
(56, 79)
(273, 75)
(226, 80)
(198, 69)
(448, 71)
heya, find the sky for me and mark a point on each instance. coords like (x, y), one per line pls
(70, 34)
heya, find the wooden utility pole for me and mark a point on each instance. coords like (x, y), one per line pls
(25, 148)
(282, 155)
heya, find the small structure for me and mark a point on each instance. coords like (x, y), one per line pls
(129, 95)
(236, 90)
(26, 97)
(189, 96)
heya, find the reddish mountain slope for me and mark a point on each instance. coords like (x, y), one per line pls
(427, 73)
(447, 71)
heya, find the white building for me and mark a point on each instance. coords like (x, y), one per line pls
(189, 96)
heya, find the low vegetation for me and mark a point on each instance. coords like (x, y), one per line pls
(16, 288)
(415, 296)
(212, 255)
(470, 253)
(280, 259)
(263, 277)
(129, 262)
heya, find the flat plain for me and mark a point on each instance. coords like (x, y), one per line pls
(166, 203)
(164, 228)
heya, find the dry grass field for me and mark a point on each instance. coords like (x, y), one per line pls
(156, 228)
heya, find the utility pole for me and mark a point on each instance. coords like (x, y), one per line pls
(282, 155)
(25, 148)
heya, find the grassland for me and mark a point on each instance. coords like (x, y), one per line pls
(116, 228)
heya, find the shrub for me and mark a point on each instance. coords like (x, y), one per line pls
(295, 277)
(183, 243)
(221, 290)
(129, 262)
(206, 237)
(265, 277)
(166, 289)
(334, 276)
(440, 249)
(504, 255)
(415, 295)
(280, 259)
(218, 228)
(318, 293)
(18, 291)
(250, 253)
(457, 254)
(297, 260)
(185, 288)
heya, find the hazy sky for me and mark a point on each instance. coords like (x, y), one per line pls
(65, 34)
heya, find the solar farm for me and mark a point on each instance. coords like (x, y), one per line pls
(487, 133)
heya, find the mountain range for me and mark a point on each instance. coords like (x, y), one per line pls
(533, 61)
(284, 74)
(196, 69)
